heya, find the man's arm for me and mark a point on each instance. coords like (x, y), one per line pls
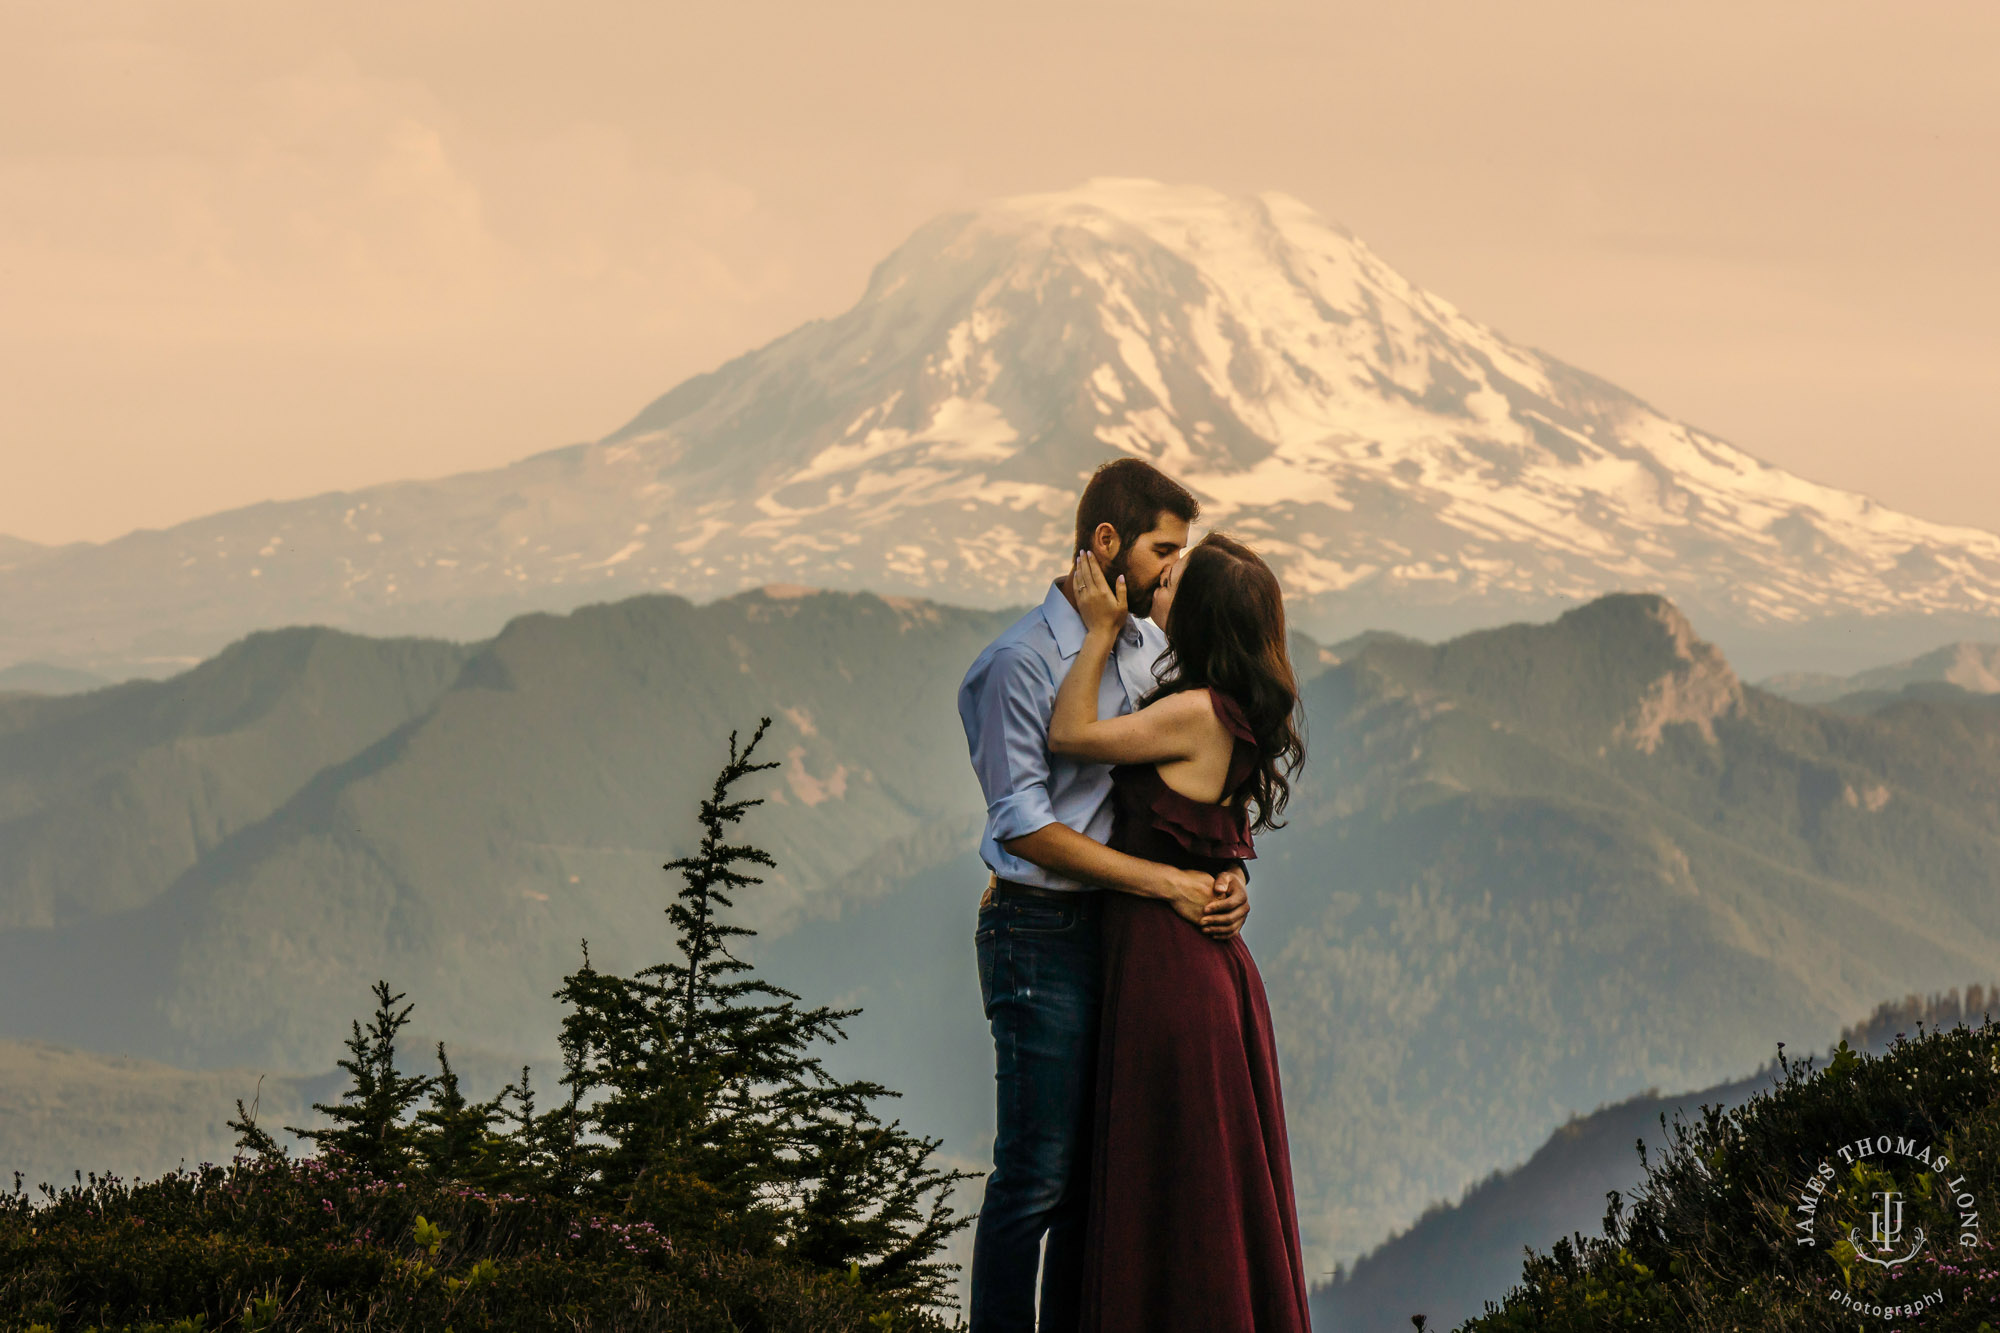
(1006, 713)
(1218, 904)
(1006, 722)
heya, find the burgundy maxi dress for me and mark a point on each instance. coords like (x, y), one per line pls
(1192, 1226)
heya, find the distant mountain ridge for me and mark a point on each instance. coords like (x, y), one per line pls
(17, 551)
(1973, 667)
(1528, 871)
(41, 678)
(64, 1111)
(320, 807)
(1404, 466)
(1562, 861)
(188, 762)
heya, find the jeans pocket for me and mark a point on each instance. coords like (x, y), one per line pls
(989, 943)
(1042, 919)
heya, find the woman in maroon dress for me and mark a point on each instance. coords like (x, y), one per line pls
(1192, 1224)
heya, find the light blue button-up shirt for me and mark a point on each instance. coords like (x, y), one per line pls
(1006, 701)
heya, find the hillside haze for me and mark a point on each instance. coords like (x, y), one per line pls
(525, 802)
(1404, 466)
(106, 797)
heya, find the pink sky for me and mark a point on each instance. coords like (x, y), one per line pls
(252, 251)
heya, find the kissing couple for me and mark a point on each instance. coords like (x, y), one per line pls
(1130, 734)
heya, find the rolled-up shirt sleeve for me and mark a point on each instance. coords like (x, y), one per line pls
(1007, 722)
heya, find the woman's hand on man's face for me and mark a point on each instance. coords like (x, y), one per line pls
(1101, 604)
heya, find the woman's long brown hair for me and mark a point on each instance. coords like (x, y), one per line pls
(1226, 630)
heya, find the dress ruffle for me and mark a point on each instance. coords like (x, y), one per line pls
(1202, 828)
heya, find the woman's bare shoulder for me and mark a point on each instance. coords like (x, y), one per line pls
(1188, 707)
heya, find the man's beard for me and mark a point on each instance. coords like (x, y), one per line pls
(1138, 601)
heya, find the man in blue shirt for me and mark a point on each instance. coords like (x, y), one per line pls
(1047, 819)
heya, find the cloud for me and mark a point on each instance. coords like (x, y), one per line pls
(325, 201)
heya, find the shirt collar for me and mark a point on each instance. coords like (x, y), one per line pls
(1067, 625)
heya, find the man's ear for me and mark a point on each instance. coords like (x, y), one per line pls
(1104, 543)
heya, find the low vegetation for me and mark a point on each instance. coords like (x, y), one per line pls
(699, 1170)
(1768, 1216)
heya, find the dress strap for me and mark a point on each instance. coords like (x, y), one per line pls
(1231, 715)
(1242, 758)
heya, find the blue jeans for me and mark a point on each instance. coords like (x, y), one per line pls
(1038, 978)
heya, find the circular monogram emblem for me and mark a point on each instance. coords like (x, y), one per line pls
(1888, 1210)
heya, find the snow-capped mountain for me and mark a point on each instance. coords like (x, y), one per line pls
(1402, 465)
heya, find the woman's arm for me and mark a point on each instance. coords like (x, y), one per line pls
(1169, 729)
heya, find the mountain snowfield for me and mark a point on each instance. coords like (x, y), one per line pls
(1364, 431)
(1403, 465)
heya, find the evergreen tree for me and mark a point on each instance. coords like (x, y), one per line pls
(454, 1138)
(528, 1156)
(709, 1110)
(370, 1122)
(250, 1136)
(696, 1101)
(554, 1140)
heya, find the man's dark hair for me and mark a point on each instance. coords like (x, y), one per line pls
(1130, 494)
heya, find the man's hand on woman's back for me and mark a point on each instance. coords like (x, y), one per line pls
(1215, 904)
(1223, 915)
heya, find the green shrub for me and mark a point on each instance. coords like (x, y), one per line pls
(321, 1244)
(1729, 1231)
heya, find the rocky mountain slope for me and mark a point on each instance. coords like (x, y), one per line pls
(1406, 467)
(1516, 834)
